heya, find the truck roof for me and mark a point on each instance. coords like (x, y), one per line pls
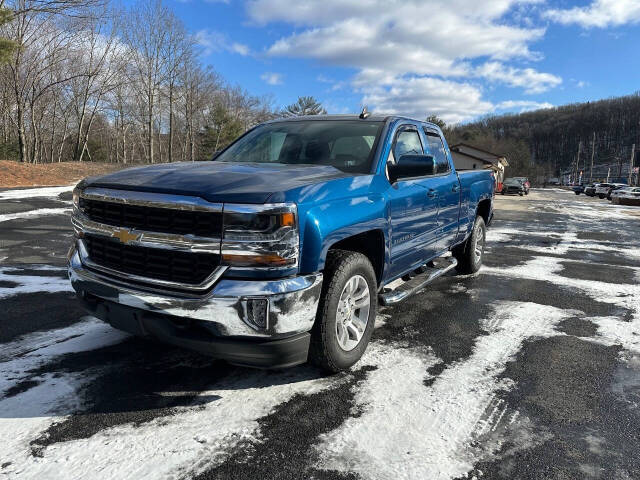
(370, 118)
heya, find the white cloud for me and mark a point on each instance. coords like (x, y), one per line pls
(272, 78)
(529, 79)
(445, 45)
(599, 14)
(213, 42)
(422, 96)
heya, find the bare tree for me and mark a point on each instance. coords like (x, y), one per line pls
(147, 38)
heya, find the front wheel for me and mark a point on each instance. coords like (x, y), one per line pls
(346, 313)
(469, 254)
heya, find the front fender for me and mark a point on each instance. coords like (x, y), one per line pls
(331, 222)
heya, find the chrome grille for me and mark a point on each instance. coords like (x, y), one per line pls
(153, 219)
(167, 265)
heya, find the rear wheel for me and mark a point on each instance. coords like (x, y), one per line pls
(347, 311)
(469, 254)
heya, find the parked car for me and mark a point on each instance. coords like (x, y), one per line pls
(626, 196)
(602, 190)
(525, 184)
(279, 249)
(614, 187)
(512, 186)
(578, 189)
(590, 189)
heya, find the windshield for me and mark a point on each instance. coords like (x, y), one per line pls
(344, 144)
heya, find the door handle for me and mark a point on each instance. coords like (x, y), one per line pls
(431, 193)
(456, 188)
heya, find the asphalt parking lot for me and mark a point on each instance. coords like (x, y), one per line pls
(529, 369)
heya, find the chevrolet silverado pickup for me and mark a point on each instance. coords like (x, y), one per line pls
(280, 249)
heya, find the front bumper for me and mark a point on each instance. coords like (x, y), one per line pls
(218, 323)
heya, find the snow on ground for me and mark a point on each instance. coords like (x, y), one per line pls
(25, 415)
(41, 212)
(547, 268)
(196, 438)
(409, 430)
(19, 284)
(49, 192)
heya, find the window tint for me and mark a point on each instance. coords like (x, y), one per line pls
(407, 142)
(436, 148)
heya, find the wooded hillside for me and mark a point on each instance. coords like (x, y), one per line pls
(547, 141)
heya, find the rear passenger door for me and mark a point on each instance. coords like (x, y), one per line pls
(447, 186)
(413, 209)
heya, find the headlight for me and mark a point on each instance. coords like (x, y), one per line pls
(264, 236)
(76, 197)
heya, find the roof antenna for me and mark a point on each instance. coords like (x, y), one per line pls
(365, 113)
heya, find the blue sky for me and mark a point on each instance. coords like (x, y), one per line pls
(459, 59)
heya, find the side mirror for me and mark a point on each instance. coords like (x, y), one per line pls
(411, 166)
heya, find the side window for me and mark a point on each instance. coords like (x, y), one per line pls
(436, 148)
(407, 142)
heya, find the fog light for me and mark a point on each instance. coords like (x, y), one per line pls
(258, 312)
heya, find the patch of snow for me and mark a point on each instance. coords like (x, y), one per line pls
(25, 415)
(46, 342)
(19, 193)
(31, 283)
(614, 331)
(41, 212)
(186, 443)
(409, 430)
(547, 269)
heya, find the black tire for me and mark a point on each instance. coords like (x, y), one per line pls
(527, 192)
(600, 196)
(577, 193)
(503, 192)
(324, 350)
(521, 194)
(465, 254)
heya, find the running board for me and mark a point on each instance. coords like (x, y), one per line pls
(415, 284)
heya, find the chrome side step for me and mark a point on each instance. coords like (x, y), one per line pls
(415, 284)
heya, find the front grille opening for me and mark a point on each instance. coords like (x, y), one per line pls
(154, 263)
(153, 219)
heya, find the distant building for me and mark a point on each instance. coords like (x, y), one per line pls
(468, 157)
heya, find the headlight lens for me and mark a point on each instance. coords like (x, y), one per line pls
(263, 236)
(76, 197)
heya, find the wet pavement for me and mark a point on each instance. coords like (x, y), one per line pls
(528, 369)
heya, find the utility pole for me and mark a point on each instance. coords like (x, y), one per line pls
(633, 153)
(578, 162)
(593, 152)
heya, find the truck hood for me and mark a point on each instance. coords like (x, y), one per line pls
(219, 181)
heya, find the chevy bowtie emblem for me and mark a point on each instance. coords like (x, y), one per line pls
(125, 236)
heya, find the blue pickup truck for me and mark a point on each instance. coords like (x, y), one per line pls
(280, 249)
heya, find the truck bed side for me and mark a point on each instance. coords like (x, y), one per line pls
(476, 195)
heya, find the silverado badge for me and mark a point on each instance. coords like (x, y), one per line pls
(126, 236)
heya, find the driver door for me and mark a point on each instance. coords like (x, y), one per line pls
(413, 209)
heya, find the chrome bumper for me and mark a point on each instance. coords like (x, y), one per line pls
(291, 302)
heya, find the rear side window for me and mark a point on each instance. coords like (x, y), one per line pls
(436, 148)
(407, 143)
